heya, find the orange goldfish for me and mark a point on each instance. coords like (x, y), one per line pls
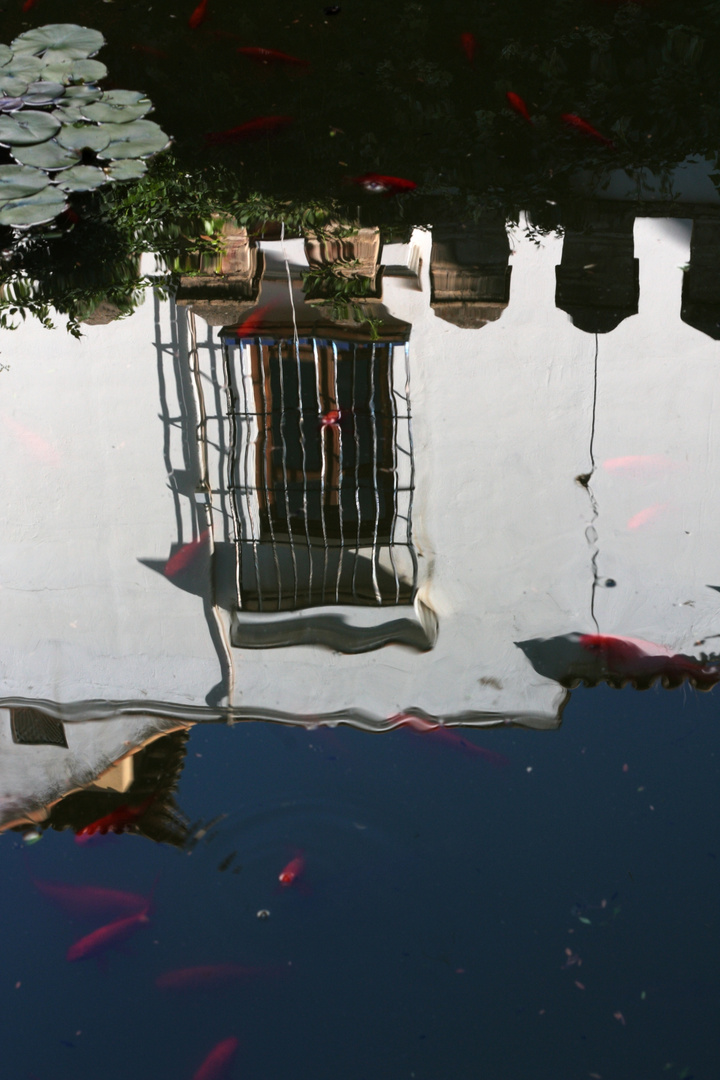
(108, 936)
(468, 44)
(199, 15)
(578, 124)
(187, 553)
(517, 103)
(215, 1064)
(116, 821)
(292, 871)
(271, 56)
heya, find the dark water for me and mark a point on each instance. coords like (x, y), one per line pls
(439, 899)
(531, 892)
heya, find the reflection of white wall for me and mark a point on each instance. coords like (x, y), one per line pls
(502, 426)
(33, 777)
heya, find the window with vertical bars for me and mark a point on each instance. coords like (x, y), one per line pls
(320, 474)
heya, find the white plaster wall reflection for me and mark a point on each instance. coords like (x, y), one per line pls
(96, 479)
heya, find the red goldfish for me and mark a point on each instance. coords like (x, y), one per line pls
(645, 515)
(215, 1064)
(116, 821)
(421, 726)
(254, 321)
(377, 184)
(517, 103)
(187, 553)
(206, 976)
(292, 871)
(252, 129)
(29, 4)
(271, 56)
(199, 15)
(633, 658)
(89, 900)
(637, 461)
(468, 45)
(108, 936)
(578, 124)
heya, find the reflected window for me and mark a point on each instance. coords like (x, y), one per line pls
(322, 476)
(30, 727)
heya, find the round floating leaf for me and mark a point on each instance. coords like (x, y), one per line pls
(82, 178)
(117, 113)
(123, 97)
(23, 67)
(72, 41)
(13, 87)
(19, 181)
(43, 93)
(69, 114)
(27, 127)
(10, 104)
(83, 94)
(48, 155)
(140, 138)
(69, 71)
(84, 136)
(126, 170)
(6, 54)
(34, 210)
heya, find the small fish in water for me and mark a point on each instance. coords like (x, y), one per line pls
(28, 5)
(644, 516)
(517, 103)
(216, 1063)
(423, 727)
(252, 129)
(292, 871)
(633, 658)
(271, 56)
(468, 44)
(377, 184)
(116, 821)
(254, 321)
(186, 555)
(207, 976)
(34, 443)
(148, 50)
(107, 937)
(578, 124)
(633, 462)
(86, 901)
(199, 15)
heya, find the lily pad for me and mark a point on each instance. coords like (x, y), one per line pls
(72, 41)
(129, 169)
(35, 210)
(116, 112)
(84, 136)
(69, 71)
(19, 181)
(6, 54)
(48, 155)
(83, 93)
(69, 114)
(138, 139)
(23, 67)
(13, 86)
(43, 93)
(27, 127)
(10, 104)
(82, 178)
